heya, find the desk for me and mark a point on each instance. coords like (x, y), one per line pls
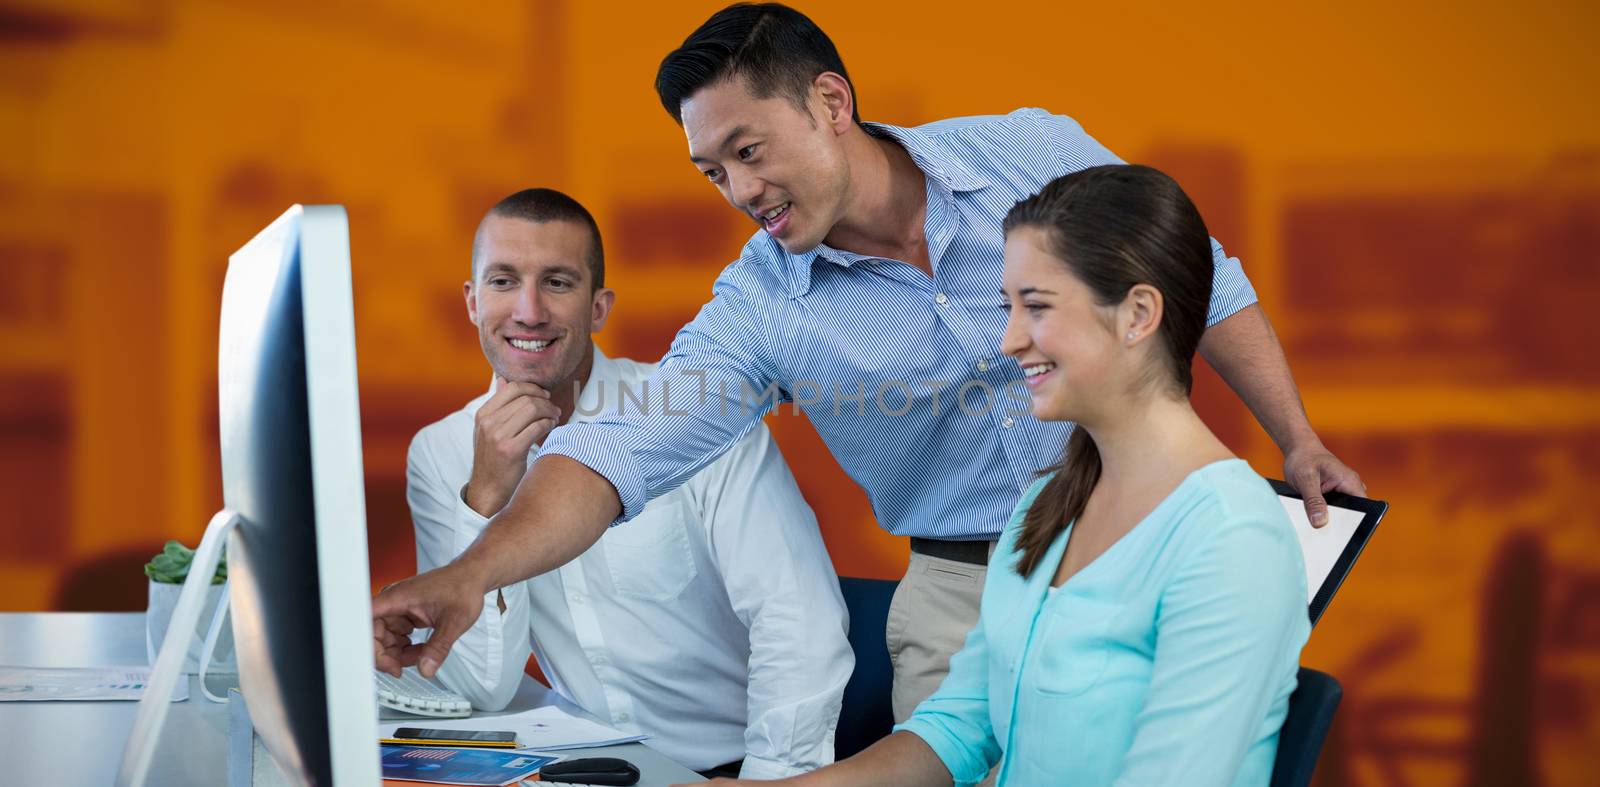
(81, 742)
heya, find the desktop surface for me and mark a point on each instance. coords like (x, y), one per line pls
(81, 742)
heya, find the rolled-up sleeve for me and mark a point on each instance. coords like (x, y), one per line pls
(712, 387)
(782, 586)
(955, 721)
(485, 664)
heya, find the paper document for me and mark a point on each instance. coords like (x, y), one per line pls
(541, 729)
(34, 684)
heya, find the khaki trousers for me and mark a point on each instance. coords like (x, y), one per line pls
(933, 609)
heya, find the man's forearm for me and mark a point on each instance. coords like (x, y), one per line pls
(1244, 350)
(560, 509)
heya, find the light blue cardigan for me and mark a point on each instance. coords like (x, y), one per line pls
(1168, 660)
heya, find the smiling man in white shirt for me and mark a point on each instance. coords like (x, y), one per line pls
(713, 622)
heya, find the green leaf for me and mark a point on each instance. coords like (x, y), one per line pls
(167, 564)
(172, 564)
(159, 576)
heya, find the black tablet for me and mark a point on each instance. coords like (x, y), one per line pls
(1332, 549)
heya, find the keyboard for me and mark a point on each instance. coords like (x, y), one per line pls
(413, 693)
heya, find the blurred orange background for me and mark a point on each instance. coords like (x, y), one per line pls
(1415, 192)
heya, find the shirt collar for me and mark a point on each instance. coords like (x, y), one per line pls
(948, 173)
(931, 157)
(603, 375)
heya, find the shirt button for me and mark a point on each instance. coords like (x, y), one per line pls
(599, 660)
(1006, 422)
(983, 365)
(578, 598)
(623, 717)
(940, 299)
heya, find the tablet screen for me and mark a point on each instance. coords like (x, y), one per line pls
(1322, 547)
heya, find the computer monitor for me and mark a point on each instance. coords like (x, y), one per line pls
(292, 485)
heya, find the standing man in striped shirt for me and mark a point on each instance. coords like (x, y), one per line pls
(870, 298)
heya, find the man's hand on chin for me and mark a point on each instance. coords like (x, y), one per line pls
(444, 600)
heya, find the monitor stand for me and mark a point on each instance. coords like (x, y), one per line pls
(153, 705)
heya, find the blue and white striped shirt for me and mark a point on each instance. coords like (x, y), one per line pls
(900, 373)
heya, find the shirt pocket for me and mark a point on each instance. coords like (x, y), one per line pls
(649, 557)
(1073, 645)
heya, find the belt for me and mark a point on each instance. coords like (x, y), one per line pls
(974, 552)
(728, 770)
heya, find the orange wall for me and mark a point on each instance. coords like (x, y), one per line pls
(1414, 191)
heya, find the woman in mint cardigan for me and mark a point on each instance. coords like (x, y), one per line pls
(1144, 611)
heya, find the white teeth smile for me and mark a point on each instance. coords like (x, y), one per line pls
(1037, 369)
(774, 213)
(530, 346)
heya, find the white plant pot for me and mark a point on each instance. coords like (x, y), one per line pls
(163, 600)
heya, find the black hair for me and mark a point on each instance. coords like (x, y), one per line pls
(776, 49)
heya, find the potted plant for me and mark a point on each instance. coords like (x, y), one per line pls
(167, 572)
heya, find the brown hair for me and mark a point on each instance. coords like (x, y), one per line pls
(545, 205)
(1114, 227)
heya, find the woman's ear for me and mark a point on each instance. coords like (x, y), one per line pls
(1140, 313)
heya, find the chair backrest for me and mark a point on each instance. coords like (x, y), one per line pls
(867, 714)
(1311, 710)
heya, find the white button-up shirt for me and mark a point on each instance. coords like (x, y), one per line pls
(712, 622)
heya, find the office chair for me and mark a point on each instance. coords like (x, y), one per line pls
(867, 714)
(1311, 710)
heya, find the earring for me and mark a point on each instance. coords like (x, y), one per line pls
(1133, 335)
